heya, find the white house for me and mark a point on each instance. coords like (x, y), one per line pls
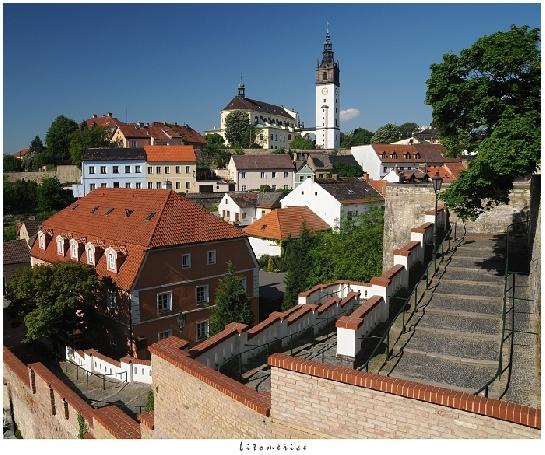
(334, 199)
(245, 207)
(377, 160)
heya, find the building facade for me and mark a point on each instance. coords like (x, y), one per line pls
(328, 93)
(163, 254)
(252, 172)
(243, 208)
(171, 166)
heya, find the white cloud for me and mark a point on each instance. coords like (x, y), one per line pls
(349, 114)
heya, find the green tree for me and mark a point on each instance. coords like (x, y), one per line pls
(36, 146)
(407, 129)
(240, 133)
(487, 100)
(20, 196)
(150, 401)
(10, 232)
(84, 138)
(231, 302)
(11, 164)
(50, 195)
(54, 300)
(214, 141)
(347, 170)
(298, 266)
(58, 139)
(300, 143)
(360, 136)
(386, 134)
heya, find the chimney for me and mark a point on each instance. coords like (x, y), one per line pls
(110, 114)
(365, 177)
(169, 185)
(95, 116)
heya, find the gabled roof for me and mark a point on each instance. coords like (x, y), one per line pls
(319, 162)
(266, 200)
(351, 191)
(133, 131)
(16, 252)
(164, 131)
(265, 162)
(280, 224)
(243, 199)
(32, 226)
(379, 186)
(135, 221)
(174, 153)
(417, 153)
(23, 152)
(239, 103)
(104, 120)
(113, 154)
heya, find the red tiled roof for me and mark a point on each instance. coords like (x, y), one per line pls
(159, 218)
(396, 153)
(264, 162)
(133, 131)
(280, 224)
(174, 153)
(104, 120)
(23, 152)
(378, 185)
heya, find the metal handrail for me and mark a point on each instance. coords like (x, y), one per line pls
(413, 290)
(500, 370)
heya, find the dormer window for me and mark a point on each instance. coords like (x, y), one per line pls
(384, 156)
(111, 262)
(74, 250)
(42, 240)
(60, 245)
(90, 251)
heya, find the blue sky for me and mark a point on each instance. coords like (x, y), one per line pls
(183, 62)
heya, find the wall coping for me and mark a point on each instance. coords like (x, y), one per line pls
(475, 404)
(167, 350)
(422, 228)
(233, 328)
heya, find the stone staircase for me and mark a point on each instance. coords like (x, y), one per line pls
(453, 339)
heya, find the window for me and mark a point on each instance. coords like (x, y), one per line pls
(164, 302)
(177, 169)
(137, 169)
(116, 184)
(316, 193)
(150, 185)
(150, 170)
(115, 169)
(243, 187)
(273, 174)
(186, 261)
(164, 334)
(243, 281)
(157, 169)
(128, 185)
(91, 169)
(42, 241)
(133, 143)
(286, 174)
(385, 169)
(74, 250)
(325, 100)
(111, 262)
(324, 76)
(187, 185)
(60, 247)
(90, 255)
(263, 175)
(211, 257)
(260, 137)
(202, 330)
(243, 215)
(167, 169)
(177, 185)
(103, 185)
(289, 137)
(158, 185)
(103, 169)
(138, 185)
(286, 187)
(187, 169)
(202, 294)
(243, 175)
(92, 187)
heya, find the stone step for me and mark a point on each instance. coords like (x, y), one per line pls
(482, 253)
(461, 287)
(472, 348)
(484, 264)
(464, 274)
(466, 322)
(442, 371)
(468, 304)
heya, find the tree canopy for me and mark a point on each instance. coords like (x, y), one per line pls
(486, 100)
(50, 195)
(53, 300)
(347, 170)
(84, 137)
(231, 302)
(57, 139)
(360, 136)
(407, 129)
(11, 164)
(300, 143)
(386, 134)
(25, 197)
(239, 132)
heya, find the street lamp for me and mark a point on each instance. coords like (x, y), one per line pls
(437, 181)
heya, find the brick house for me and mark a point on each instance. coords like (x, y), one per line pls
(163, 254)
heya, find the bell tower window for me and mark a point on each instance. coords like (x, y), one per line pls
(324, 76)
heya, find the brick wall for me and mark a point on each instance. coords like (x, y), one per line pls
(343, 403)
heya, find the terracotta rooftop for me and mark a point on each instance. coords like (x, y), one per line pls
(134, 131)
(166, 131)
(23, 152)
(239, 103)
(174, 153)
(265, 162)
(104, 120)
(288, 222)
(16, 252)
(410, 153)
(133, 220)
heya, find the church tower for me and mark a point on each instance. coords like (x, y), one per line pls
(328, 134)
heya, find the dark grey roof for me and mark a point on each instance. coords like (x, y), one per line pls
(32, 227)
(243, 198)
(16, 252)
(111, 154)
(269, 199)
(258, 162)
(351, 191)
(319, 161)
(259, 106)
(343, 159)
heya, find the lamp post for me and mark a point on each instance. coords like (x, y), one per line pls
(437, 181)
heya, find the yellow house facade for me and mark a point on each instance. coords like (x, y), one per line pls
(171, 166)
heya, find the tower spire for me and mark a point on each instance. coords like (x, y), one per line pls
(241, 88)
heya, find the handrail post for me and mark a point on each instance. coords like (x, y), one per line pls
(388, 345)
